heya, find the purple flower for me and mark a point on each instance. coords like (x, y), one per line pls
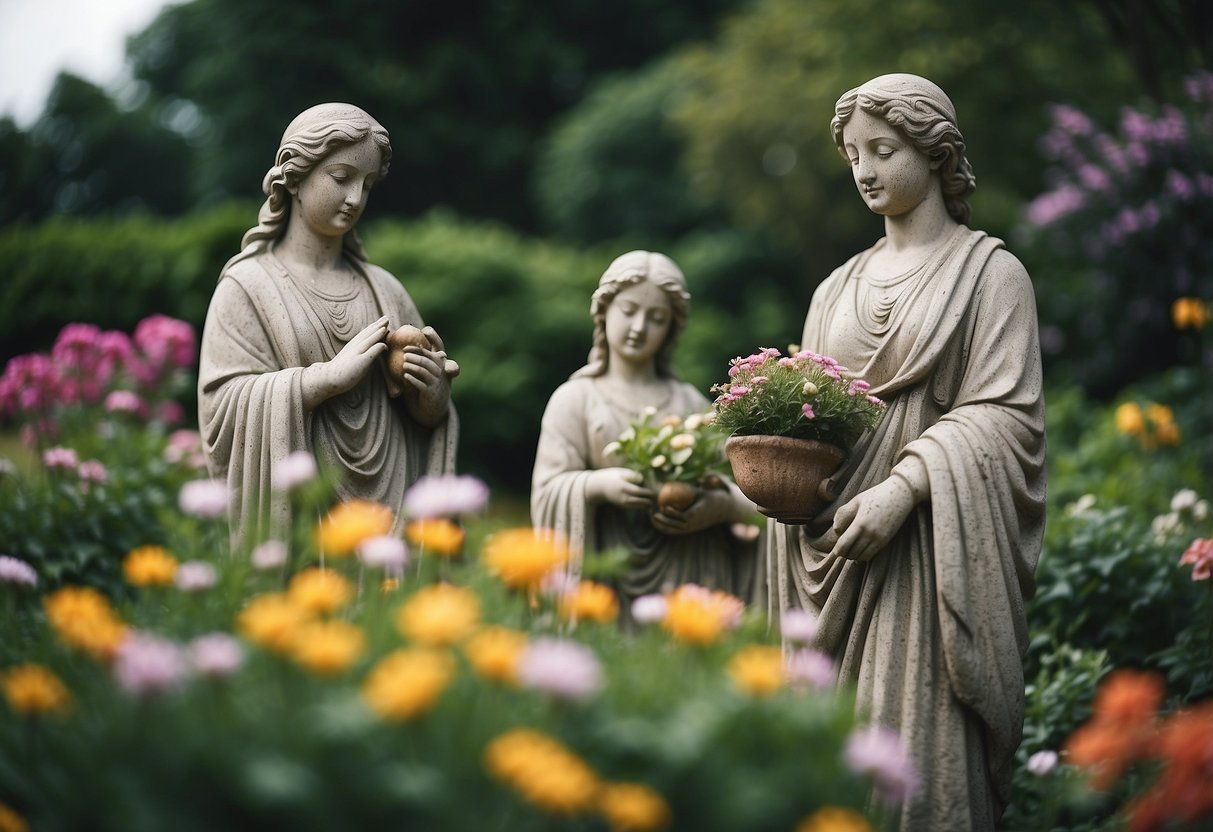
(269, 555)
(146, 664)
(385, 552)
(1071, 120)
(798, 626)
(64, 458)
(649, 609)
(195, 575)
(445, 496)
(216, 654)
(1042, 762)
(1180, 186)
(293, 470)
(877, 752)
(559, 667)
(812, 668)
(204, 498)
(1050, 207)
(16, 571)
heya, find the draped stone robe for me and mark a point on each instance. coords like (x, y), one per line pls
(932, 630)
(579, 421)
(263, 328)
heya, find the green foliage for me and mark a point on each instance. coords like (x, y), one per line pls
(672, 450)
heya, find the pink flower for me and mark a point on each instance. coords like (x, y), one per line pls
(807, 409)
(204, 498)
(559, 667)
(877, 752)
(858, 386)
(875, 401)
(166, 341)
(182, 443)
(59, 457)
(1200, 556)
(124, 401)
(812, 668)
(195, 575)
(170, 413)
(649, 609)
(269, 555)
(216, 654)
(445, 496)
(1042, 762)
(92, 470)
(17, 572)
(147, 664)
(293, 470)
(557, 584)
(738, 390)
(798, 626)
(388, 553)
(747, 532)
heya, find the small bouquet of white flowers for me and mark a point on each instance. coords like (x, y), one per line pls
(676, 455)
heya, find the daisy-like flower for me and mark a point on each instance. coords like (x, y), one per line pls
(34, 689)
(149, 566)
(445, 496)
(146, 664)
(384, 552)
(319, 591)
(493, 653)
(195, 576)
(810, 667)
(522, 558)
(406, 683)
(204, 498)
(649, 609)
(269, 555)
(17, 572)
(293, 470)
(633, 807)
(757, 670)
(350, 523)
(216, 655)
(561, 668)
(439, 615)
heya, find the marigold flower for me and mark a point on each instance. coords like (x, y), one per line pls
(351, 522)
(757, 670)
(695, 615)
(10, 821)
(1130, 419)
(521, 558)
(834, 819)
(543, 771)
(436, 535)
(319, 591)
(493, 653)
(1129, 697)
(1189, 313)
(632, 807)
(406, 683)
(327, 648)
(439, 615)
(271, 621)
(149, 566)
(590, 601)
(34, 689)
(83, 618)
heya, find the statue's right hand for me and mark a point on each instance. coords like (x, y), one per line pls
(339, 375)
(619, 486)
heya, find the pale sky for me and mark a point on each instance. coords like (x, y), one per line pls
(39, 38)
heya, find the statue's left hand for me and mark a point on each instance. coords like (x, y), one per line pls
(713, 506)
(867, 522)
(428, 380)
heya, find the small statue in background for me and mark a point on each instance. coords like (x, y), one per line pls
(295, 347)
(920, 569)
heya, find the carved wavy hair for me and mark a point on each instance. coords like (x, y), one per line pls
(309, 138)
(628, 270)
(923, 114)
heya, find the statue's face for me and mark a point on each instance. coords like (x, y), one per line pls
(893, 176)
(637, 322)
(333, 195)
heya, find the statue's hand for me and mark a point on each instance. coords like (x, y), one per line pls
(619, 486)
(712, 506)
(339, 375)
(427, 384)
(867, 522)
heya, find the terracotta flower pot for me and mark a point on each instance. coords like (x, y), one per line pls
(783, 476)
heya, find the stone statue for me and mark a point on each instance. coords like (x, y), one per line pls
(294, 350)
(920, 569)
(639, 309)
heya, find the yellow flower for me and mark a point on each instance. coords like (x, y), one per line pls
(33, 689)
(439, 615)
(271, 621)
(407, 683)
(543, 771)
(493, 653)
(389, 585)
(327, 648)
(149, 566)
(757, 670)
(438, 536)
(83, 618)
(1189, 312)
(350, 523)
(834, 819)
(1129, 419)
(693, 616)
(320, 591)
(1167, 433)
(590, 601)
(1160, 414)
(632, 807)
(10, 821)
(520, 558)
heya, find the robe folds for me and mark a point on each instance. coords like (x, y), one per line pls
(932, 630)
(263, 328)
(579, 421)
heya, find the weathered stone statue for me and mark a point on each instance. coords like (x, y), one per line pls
(639, 309)
(294, 347)
(921, 567)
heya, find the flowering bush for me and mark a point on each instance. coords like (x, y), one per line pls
(803, 395)
(672, 449)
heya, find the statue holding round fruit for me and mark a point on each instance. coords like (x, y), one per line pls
(309, 347)
(623, 426)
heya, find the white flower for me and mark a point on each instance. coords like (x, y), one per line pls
(650, 411)
(809, 390)
(659, 461)
(293, 470)
(204, 498)
(1080, 506)
(1184, 499)
(611, 449)
(1165, 525)
(694, 421)
(195, 575)
(1042, 762)
(1201, 510)
(386, 552)
(798, 626)
(649, 609)
(269, 555)
(682, 440)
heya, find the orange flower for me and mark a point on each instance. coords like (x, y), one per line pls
(695, 615)
(439, 615)
(590, 601)
(1121, 728)
(521, 558)
(351, 522)
(493, 653)
(632, 807)
(83, 618)
(10, 821)
(1130, 419)
(834, 819)
(1181, 796)
(1129, 697)
(438, 536)
(1189, 312)
(757, 670)
(149, 566)
(327, 648)
(320, 591)
(33, 689)
(271, 621)
(543, 771)
(407, 683)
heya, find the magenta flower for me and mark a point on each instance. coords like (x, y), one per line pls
(807, 409)
(166, 341)
(1041, 763)
(810, 668)
(269, 555)
(59, 457)
(858, 387)
(170, 413)
(215, 654)
(125, 401)
(195, 575)
(445, 496)
(17, 572)
(204, 498)
(877, 752)
(293, 470)
(1200, 556)
(561, 668)
(146, 664)
(649, 609)
(798, 626)
(384, 552)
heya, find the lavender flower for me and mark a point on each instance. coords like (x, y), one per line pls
(204, 498)
(559, 667)
(877, 752)
(798, 626)
(195, 575)
(445, 496)
(58, 457)
(385, 552)
(649, 609)
(216, 654)
(18, 572)
(294, 470)
(812, 668)
(146, 664)
(269, 555)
